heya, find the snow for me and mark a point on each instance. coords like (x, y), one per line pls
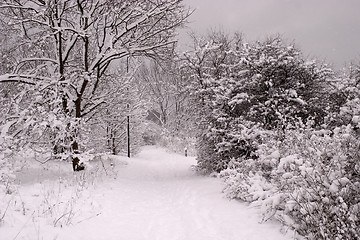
(156, 195)
(4, 77)
(356, 119)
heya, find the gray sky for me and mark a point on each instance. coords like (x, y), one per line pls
(324, 29)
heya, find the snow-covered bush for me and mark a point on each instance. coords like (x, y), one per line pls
(310, 181)
(208, 159)
(246, 87)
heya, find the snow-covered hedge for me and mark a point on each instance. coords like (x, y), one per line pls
(252, 100)
(310, 181)
(242, 88)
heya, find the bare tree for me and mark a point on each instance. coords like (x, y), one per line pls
(68, 45)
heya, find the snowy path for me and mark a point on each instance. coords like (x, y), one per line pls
(158, 197)
(155, 197)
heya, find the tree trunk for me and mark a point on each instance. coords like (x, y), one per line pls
(113, 143)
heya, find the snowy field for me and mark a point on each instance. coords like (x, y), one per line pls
(155, 195)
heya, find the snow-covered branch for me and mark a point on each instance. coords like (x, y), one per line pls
(20, 78)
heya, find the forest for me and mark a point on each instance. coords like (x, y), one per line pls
(77, 78)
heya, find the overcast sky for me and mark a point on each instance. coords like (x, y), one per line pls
(325, 29)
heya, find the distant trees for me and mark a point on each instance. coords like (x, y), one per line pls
(108, 125)
(157, 83)
(59, 53)
(166, 87)
(167, 91)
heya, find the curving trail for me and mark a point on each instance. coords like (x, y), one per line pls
(158, 197)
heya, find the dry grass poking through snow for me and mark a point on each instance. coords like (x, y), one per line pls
(51, 195)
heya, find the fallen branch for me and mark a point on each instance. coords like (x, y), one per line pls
(88, 218)
(103, 166)
(3, 216)
(24, 226)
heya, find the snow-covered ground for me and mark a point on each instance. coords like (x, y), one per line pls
(155, 196)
